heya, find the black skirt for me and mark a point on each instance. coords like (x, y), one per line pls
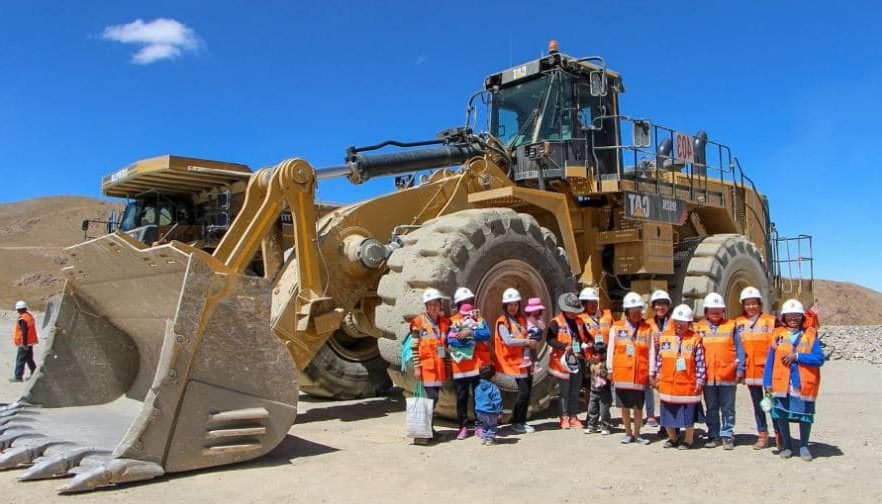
(632, 399)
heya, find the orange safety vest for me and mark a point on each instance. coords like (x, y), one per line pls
(470, 367)
(674, 386)
(756, 339)
(631, 355)
(597, 325)
(509, 359)
(432, 348)
(719, 352)
(809, 376)
(657, 331)
(563, 336)
(31, 327)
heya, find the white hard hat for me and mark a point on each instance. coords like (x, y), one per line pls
(632, 300)
(511, 295)
(432, 294)
(683, 313)
(462, 294)
(589, 294)
(792, 306)
(750, 293)
(660, 295)
(21, 305)
(714, 300)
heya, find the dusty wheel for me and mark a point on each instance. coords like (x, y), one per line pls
(346, 367)
(487, 250)
(724, 263)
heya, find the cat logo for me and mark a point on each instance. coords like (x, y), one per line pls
(639, 204)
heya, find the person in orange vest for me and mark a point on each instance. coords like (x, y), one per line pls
(429, 332)
(468, 344)
(725, 368)
(679, 373)
(596, 320)
(569, 341)
(755, 330)
(629, 354)
(509, 342)
(792, 376)
(24, 337)
(660, 303)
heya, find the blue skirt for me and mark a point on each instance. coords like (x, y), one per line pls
(793, 409)
(681, 416)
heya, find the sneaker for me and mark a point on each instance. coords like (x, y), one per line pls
(605, 432)
(590, 429)
(728, 443)
(627, 439)
(528, 428)
(462, 434)
(564, 422)
(642, 441)
(805, 454)
(479, 432)
(652, 422)
(576, 423)
(519, 428)
(785, 454)
(712, 443)
(489, 442)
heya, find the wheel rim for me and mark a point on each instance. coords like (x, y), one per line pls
(516, 274)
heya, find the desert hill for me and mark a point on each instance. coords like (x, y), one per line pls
(33, 233)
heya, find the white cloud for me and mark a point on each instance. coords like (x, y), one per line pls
(161, 39)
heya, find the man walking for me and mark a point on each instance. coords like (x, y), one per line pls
(25, 338)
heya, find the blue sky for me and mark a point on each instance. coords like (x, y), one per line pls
(794, 88)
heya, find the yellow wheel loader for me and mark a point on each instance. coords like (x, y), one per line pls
(168, 358)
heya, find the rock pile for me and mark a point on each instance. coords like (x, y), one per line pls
(853, 343)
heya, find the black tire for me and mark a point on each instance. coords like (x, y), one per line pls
(486, 250)
(725, 264)
(346, 368)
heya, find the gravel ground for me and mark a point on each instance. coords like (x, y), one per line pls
(853, 343)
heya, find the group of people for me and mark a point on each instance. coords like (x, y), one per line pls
(693, 366)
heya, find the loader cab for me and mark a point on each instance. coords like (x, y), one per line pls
(555, 112)
(149, 216)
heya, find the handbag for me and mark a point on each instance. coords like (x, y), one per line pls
(418, 420)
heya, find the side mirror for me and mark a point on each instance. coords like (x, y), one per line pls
(641, 136)
(598, 83)
(85, 225)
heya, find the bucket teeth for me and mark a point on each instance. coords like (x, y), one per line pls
(8, 437)
(22, 455)
(56, 466)
(111, 472)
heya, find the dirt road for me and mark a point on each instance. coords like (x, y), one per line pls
(354, 452)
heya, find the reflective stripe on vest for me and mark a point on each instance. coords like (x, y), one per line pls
(756, 338)
(674, 386)
(631, 371)
(809, 376)
(510, 358)
(719, 352)
(470, 367)
(31, 338)
(432, 338)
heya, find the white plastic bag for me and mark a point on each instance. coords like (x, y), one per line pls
(419, 417)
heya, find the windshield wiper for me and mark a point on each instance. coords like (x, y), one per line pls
(523, 128)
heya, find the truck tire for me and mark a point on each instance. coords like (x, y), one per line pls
(346, 368)
(487, 250)
(724, 263)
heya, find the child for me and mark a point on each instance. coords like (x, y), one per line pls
(462, 348)
(535, 331)
(601, 393)
(488, 404)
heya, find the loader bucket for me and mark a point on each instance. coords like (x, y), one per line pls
(160, 360)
